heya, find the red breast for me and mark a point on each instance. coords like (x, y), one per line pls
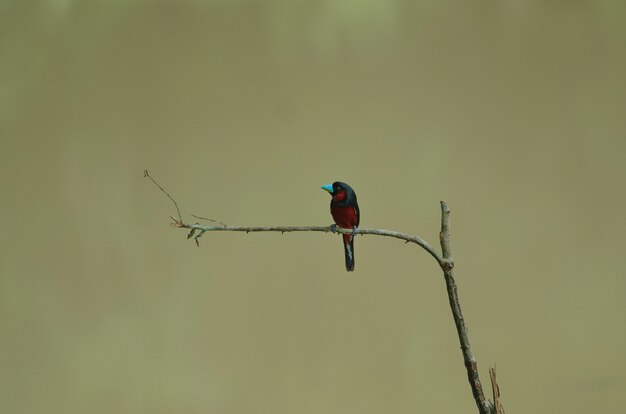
(344, 216)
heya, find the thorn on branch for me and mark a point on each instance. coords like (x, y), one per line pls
(198, 236)
(191, 233)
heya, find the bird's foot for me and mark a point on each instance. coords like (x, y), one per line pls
(353, 231)
(333, 228)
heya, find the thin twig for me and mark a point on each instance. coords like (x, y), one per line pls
(147, 174)
(495, 389)
(484, 405)
(208, 219)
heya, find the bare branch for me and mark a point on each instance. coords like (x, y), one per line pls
(408, 238)
(444, 260)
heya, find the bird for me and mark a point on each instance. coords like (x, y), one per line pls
(346, 214)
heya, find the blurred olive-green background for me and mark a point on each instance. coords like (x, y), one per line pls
(513, 112)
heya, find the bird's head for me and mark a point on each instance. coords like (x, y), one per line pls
(338, 190)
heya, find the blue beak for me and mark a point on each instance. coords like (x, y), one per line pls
(328, 187)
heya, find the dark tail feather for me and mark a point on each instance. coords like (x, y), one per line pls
(348, 247)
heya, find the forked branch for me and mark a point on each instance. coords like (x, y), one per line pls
(444, 260)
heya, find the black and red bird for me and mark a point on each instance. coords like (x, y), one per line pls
(345, 212)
